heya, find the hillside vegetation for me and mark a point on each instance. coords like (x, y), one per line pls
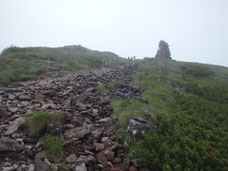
(187, 103)
(23, 64)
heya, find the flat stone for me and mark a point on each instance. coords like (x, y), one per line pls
(31, 167)
(0, 99)
(105, 120)
(13, 109)
(86, 159)
(99, 146)
(9, 168)
(81, 167)
(24, 97)
(24, 103)
(95, 111)
(11, 97)
(47, 106)
(71, 158)
(78, 132)
(13, 127)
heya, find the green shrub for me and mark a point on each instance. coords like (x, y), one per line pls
(193, 88)
(25, 77)
(62, 167)
(10, 49)
(38, 120)
(197, 70)
(192, 137)
(15, 84)
(53, 146)
(123, 136)
(191, 125)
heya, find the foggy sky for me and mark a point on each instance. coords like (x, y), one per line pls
(196, 30)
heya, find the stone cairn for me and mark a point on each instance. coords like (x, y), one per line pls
(163, 51)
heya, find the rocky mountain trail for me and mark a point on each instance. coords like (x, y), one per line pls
(83, 99)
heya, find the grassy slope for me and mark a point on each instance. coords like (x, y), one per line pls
(188, 103)
(21, 64)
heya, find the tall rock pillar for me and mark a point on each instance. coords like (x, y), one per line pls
(163, 51)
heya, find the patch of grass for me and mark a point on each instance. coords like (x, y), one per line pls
(53, 146)
(112, 84)
(15, 84)
(38, 120)
(197, 70)
(25, 77)
(18, 70)
(32, 61)
(62, 167)
(101, 87)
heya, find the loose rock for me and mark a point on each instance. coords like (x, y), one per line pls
(13, 127)
(7, 144)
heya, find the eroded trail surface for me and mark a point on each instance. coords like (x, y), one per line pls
(88, 127)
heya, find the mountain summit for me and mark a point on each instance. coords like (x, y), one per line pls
(163, 51)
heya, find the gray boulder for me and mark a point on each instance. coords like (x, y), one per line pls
(137, 127)
(7, 145)
(81, 167)
(54, 128)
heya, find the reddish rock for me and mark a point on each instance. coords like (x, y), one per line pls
(11, 118)
(104, 156)
(3, 112)
(39, 98)
(99, 146)
(106, 141)
(21, 111)
(101, 157)
(68, 126)
(112, 169)
(133, 168)
(24, 97)
(117, 160)
(110, 155)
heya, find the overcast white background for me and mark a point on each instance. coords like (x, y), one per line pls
(196, 30)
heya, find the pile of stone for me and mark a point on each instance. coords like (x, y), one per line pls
(88, 128)
(163, 51)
